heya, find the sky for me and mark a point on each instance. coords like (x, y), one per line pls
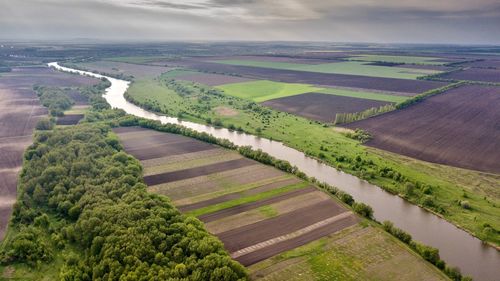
(380, 21)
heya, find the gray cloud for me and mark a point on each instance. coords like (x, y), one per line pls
(444, 21)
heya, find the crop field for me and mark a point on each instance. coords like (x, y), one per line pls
(227, 198)
(245, 215)
(20, 110)
(345, 67)
(458, 128)
(340, 256)
(210, 79)
(475, 74)
(363, 95)
(408, 86)
(399, 59)
(322, 107)
(115, 67)
(490, 63)
(263, 90)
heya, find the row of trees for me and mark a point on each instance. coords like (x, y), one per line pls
(98, 205)
(342, 118)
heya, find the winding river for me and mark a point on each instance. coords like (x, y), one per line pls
(456, 247)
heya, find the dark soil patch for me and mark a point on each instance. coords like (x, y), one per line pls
(248, 235)
(253, 205)
(459, 128)
(277, 248)
(326, 79)
(168, 149)
(321, 107)
(475, 74)
(197, 171)
(70, 119)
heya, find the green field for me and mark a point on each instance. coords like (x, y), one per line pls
(398, 59)
(363, 95)
(448, 184)
(341, 256)
(263, 90)
(347, 67)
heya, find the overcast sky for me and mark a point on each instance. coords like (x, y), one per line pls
(385, 21)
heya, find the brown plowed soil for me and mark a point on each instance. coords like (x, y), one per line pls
(475, 74)
(253, 205)
(490, 63)
(236, 195)
(197, 171)
(69, 119)
(292, 76)
(168, 149)
(321, 107)
(286, 245)
(459, 128)
(252, 234)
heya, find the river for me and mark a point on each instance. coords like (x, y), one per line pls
(456, 247)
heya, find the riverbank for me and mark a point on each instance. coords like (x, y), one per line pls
(474, 258)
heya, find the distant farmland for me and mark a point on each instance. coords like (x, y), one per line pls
(402, 86)
(458, 128)
(475, 74)
(342, 67)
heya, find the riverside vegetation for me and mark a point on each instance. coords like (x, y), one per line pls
(440, 190)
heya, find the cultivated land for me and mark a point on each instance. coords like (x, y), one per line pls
(263, 218)
(399, 59)
(340, 256)
(122, 68)
(321, 107)
(458, 128)
(212, 79)
(315, 78)
(475, 74)
(263, 90)
(447, 184)
(363, 95)
(345, 67)
(20, 110)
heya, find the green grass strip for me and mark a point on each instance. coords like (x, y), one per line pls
(363, 95)
(248, 199)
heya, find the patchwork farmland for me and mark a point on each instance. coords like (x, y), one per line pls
(458, 128)
(316, 78)
(261, 214)
(475, 74)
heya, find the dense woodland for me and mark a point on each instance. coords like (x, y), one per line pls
(81, 195)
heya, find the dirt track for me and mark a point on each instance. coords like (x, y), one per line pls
(277, 248)
(252, 234)
(321, 107)
(459, 128)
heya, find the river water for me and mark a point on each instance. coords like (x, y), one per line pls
(456, 247)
